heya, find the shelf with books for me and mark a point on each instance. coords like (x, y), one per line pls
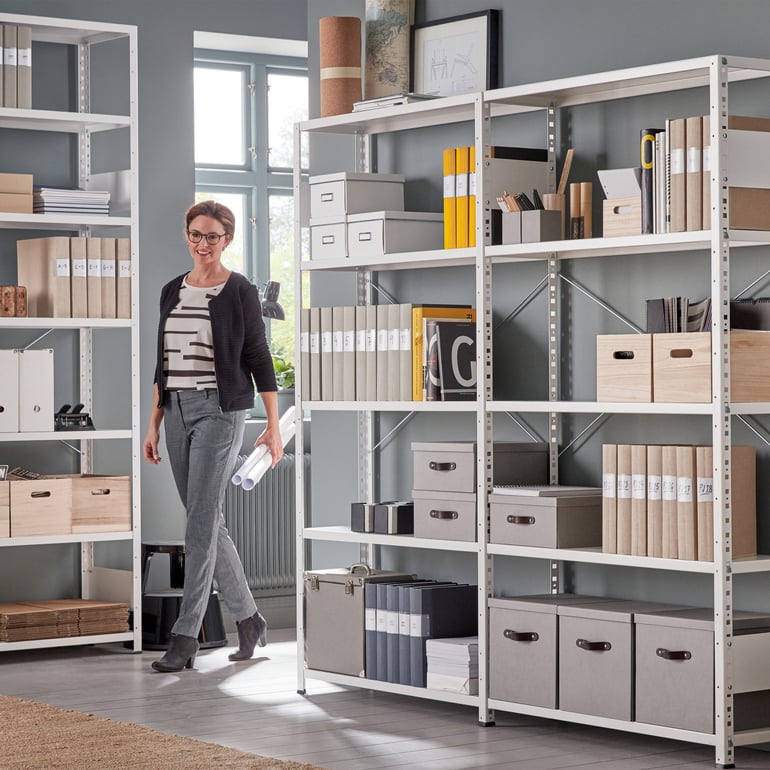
(340, 534)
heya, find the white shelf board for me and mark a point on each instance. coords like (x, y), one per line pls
(73, 222)
(66, 641)
(66, 435)
(396, 689)
(596, 556)
(613, 724)
(598, 407)
(60, 121)
(390, 406)
(65, 323)
(68, 31)
(751, 737)
(406, 260)
(749, 564)
(345, 535)
(93, 537)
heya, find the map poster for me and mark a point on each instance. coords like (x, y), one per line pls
(387, 47)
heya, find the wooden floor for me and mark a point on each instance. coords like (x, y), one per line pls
(254, 707)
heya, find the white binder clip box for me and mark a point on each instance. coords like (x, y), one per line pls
(36, 391)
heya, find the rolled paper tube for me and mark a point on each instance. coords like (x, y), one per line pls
(586, 207)
(264, 464)
(340, 63)
(286, 419)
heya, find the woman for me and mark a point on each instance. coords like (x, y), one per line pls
(212, 349)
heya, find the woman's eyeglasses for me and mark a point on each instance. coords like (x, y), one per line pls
(211, 238)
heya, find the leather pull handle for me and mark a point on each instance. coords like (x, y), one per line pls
(434, 514)
(434, 466)
(527, 520)
(661, 652)
(521, 636)
(584, 644)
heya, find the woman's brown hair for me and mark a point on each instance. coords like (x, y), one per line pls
(215, 210)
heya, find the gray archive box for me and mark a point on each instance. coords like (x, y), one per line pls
(444, 516)
(334, 616)
(523, 647)
(539, 517)
(333, 195)
(451, 466)
(596, 657)
(675, 669)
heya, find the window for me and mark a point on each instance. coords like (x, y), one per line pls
(246, 105)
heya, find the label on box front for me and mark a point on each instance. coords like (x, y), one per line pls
(124, 268)
(79, 268)
(638, 486)
(9, 57)
(337, 341)
(62, 268)
(403, 623)
(419, 625)
(391, 622)
(668, 489)
(381, 622)
(654, 488)
(108, 268)
(705, 489)
(349, 342)
(326, 342)
(609, 485)
(684, 489)
(677, 161)
(624, 486)
(24, 57)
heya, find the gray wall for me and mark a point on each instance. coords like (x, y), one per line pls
(540, 41)
(166, 183)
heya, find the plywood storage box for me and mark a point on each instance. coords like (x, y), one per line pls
(548, 521)
(334, 195)
(596, 657)
(5, 508)
(101, 504)
(444, 515)
(450, 466)
(681, 369)
(675, 669)
(622, 216)
(41, 507)
(523, 647)
(334, 616)
(376, 233)
(624, 367)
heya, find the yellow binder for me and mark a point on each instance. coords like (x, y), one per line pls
(472, 195)
(450, 237)
(462, 163)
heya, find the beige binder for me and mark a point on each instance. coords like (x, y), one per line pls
(405, 352)
(43, 266)
(654, 501)
(79, 273)
(624, 498)
(36, 391)
(360, 352)
(9, 391)
(394, 352)
(706, 172)
(9, 65)
(693, 173)
(371, 352)
(327, 373)
(609, 498)
(123, 277)
(94, 276)
(704, 503)
(349, 353)
(639, 500)
(315, 353)
(304, 352)
(687, 537)
(678, 170)
(109, 278)
(668, 493)
(24, 67)
(338, 360)
(383, 328)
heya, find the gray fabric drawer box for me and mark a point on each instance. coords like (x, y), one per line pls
(445, 516)
(334, 616)
(523, 645)
(550, 522)
(596, 657)
(451, 466)
(675, 669)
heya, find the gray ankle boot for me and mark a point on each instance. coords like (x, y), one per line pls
(251, 631)
(180, 654)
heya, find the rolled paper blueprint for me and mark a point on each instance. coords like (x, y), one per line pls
(340, 63)
(286, 420)
(258, 470)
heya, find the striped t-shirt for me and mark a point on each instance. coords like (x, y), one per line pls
(188, 349)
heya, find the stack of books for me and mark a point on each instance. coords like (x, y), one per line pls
(48, 200)
(453, 665)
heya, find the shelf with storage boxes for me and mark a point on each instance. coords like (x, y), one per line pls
(50, 275)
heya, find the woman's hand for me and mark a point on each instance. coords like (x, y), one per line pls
(150, 446)
(271, 438)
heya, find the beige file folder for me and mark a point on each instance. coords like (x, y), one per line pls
(338, 375)
(704, 502)
(686, 522)
(43, 266)
(609, 498)
(639, 500)
(79, 273)
(624, 498)
(315, 353)
(109, 278)
(383, 328)
(24, 67)
(654, 501)
(394, 352)
(327, 373)
(668, 492)
(9, 65)
(94, 276)
(371, 352)
(123, 277)
(304, 352)
(348, 353)
(9, 391)
(360, 312)
(36, 391)
(694, 173)
(405, 352)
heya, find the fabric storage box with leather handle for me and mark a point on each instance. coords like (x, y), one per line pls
(334, 616)
(444, 516)
(675, 669)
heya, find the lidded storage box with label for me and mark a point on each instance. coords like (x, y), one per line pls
(376, 233)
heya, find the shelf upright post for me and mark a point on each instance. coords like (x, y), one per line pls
(484, 418)
(724, 716)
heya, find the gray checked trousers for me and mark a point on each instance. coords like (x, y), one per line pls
(202, 443)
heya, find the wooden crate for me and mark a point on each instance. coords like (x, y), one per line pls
(622, 216)
(5, 509)
(624, 367)
(749, 365)
(101, 504)
(41, 507)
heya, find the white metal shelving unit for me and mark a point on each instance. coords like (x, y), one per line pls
(96, 582)
(714, 75)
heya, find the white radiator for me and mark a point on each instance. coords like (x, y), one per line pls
(262, 524)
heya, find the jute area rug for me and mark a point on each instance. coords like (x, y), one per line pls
(37, 736)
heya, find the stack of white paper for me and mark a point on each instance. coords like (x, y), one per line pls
(453, 665)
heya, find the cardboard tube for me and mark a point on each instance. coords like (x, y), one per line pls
(586, 207)
(574, 209)
(340, 63)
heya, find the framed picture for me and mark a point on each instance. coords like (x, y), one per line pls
(458, 55)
